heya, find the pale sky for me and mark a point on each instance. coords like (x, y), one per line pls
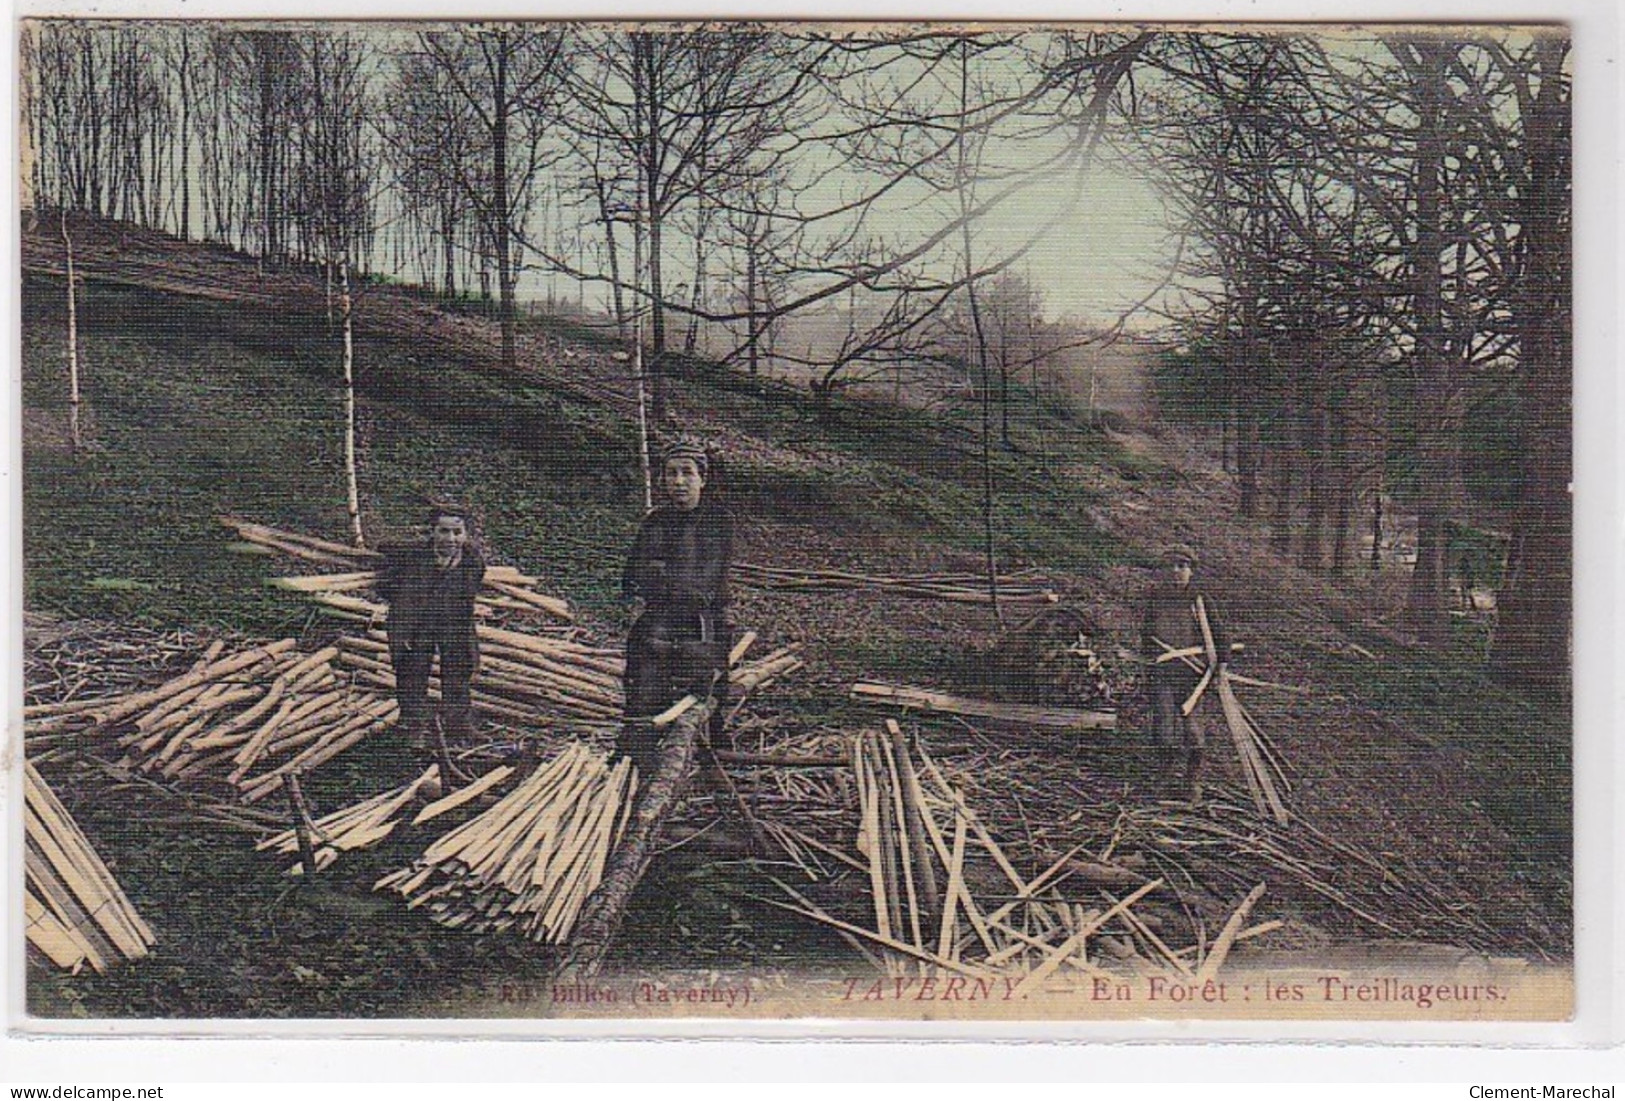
(1108, 255)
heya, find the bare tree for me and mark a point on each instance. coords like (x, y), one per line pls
(507, 77)
(73, 341)
(1535, 612)
(683, 119)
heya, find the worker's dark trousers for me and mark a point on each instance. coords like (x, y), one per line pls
(1176, 736)
(457, 660)
(664, 664)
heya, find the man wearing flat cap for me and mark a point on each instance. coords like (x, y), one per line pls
(1185, 647)
(430, 585)
(678, 568)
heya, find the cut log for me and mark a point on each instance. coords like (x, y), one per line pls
(925, 876)
(780, 760)
(658, 793)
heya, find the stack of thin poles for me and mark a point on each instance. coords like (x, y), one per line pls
(522, 677)
(962, 588)
(76, 912)
(531, 860)
(354, 827)
(918, 840)
(247, 718)
(506, 589)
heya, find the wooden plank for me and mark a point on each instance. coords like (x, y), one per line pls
(463, 795)
(923, 699)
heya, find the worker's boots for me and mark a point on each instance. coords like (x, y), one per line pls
(459, 725)
(412, 733)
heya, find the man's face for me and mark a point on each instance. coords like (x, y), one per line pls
(449, 535)
(684, 483)
(1180, 570)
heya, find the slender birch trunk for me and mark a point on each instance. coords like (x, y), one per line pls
(643, 417)
(73, 345)
(352, 490)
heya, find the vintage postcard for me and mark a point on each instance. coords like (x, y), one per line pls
(547, 521)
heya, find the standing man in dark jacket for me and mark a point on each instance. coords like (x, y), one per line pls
(678, 568)
(430, 587)
(1177, 650)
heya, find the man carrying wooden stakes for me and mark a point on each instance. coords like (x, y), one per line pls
(1182, 639)
(678, 569)
(430, 586)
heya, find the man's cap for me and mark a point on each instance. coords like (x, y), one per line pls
(1178, 552)
(436, 507)
(686, 447)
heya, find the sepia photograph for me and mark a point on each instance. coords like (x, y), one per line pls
(552, 521)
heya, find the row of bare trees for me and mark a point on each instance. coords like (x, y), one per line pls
(1375, 231)
(1371, 229)
(719, 177)
(254, 138)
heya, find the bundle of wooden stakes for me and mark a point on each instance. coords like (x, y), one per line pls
(522, 677)
(246, 718)
(75, 911)
(961, 588)
(530, 861)
(918, 839)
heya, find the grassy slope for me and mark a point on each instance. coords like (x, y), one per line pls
(198, 411)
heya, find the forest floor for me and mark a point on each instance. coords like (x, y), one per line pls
(213, 388)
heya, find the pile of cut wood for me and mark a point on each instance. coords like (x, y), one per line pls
(506, 589)
(962, 588)
(251, 717)
(76, 912)
(917, 839)
(524, 678)
(531, 861)
(246, 718)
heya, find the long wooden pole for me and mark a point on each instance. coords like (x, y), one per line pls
(914, 810)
